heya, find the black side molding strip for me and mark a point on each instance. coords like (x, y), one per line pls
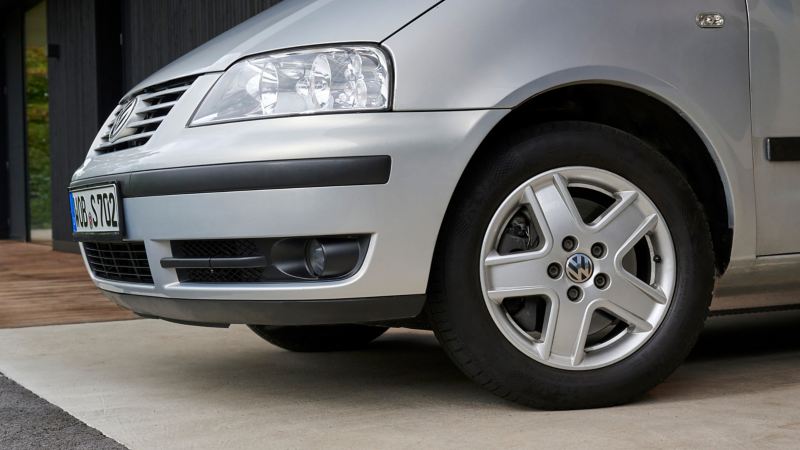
(783, 149)
(248, 176)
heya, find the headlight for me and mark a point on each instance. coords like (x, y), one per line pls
(330, 79)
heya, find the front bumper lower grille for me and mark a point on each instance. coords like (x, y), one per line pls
(229, 248)
(123, 261)
(265, 260)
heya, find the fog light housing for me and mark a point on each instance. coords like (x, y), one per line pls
(319, 258)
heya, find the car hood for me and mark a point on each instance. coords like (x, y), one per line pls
(295, 23)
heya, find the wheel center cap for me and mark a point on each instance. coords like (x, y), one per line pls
(579, 268)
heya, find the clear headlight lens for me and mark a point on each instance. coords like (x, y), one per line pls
(329, 79)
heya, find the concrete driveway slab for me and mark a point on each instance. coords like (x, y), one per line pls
(151, 384)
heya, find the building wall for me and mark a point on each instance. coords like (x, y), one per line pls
(74, 114)
(158, 31)
(5, 220)
(13, 182)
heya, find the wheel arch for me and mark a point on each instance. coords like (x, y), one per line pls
(641, 113)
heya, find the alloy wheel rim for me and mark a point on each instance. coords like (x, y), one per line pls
(619, 267)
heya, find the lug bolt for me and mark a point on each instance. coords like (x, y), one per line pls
(554, 270)
(601, 281)
(598, 250)
(574, 293)
(656, 259)
(569, 243)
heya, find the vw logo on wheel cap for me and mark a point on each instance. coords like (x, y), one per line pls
(579, 268)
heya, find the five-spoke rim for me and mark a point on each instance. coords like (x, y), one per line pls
(580, 269)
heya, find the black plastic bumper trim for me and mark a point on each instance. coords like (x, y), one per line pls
(244, 262)
(783, 149)
(274, 312)
(249, 176)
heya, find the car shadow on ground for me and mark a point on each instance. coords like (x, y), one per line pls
(748, 335)
(409, 368)
(406, 367)
(738, 354)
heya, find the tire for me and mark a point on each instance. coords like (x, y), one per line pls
(319, 338)
(627, 364)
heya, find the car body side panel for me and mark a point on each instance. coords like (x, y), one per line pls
(467, 54)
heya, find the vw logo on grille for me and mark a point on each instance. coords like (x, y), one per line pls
(121, 121)
(579, 268)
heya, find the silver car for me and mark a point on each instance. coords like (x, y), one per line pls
(557, 189)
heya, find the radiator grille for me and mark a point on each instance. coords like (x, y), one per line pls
(150, 109)
(124, 261)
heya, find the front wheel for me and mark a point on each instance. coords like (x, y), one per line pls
(576, 271)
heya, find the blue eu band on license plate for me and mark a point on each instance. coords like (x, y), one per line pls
(72, 212)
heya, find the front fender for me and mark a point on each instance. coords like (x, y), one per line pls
(501, 54)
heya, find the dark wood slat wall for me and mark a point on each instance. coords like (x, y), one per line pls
(5, 220)
(73, 89)
(158, 31)
(5, 197)
(108, 51)
(15, 211)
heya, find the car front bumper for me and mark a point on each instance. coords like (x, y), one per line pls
(428, 152)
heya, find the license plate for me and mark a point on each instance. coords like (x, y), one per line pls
(96, 212)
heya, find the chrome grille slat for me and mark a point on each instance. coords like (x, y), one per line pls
(120, 144)
(153, 105)
(158, 106)
(164, 93)
(142, 123)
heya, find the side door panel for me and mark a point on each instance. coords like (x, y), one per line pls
(775, 86)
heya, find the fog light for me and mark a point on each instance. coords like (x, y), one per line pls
(315, 258)
(323, 257)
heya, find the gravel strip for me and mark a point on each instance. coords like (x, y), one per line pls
(28, 421)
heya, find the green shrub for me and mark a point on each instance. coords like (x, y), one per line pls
(38, 137)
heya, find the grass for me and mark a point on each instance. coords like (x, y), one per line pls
(38, 118)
